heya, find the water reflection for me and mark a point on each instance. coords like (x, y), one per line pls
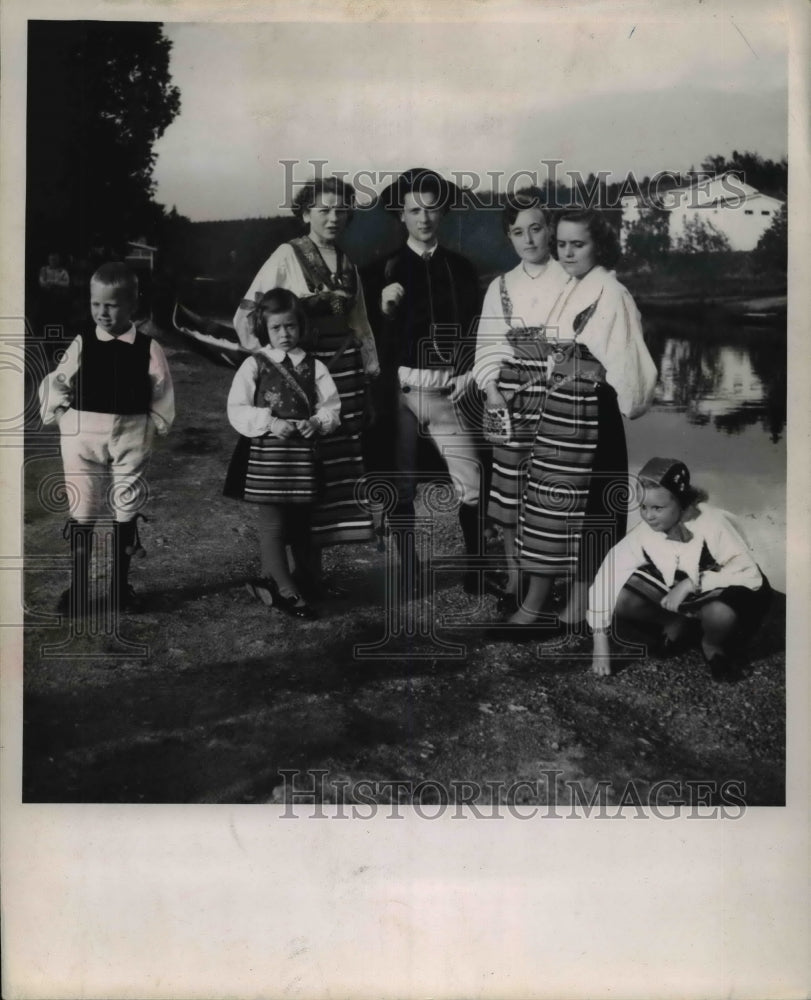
(734, 380)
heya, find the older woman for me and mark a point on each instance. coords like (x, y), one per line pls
(315, 268)
(574, 505)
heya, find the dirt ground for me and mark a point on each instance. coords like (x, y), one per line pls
(208, 695)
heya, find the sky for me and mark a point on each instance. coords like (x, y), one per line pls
(618, 95)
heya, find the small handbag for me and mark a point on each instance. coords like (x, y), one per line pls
(497, 426)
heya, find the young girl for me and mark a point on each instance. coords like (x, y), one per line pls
(280, 401)
(572, 509)
(685, 560)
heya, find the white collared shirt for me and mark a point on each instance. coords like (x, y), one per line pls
(56, 389)
(254, 421)
(420, 249)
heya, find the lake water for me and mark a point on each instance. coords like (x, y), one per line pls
(721, 407)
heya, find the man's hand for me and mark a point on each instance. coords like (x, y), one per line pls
(390, 298)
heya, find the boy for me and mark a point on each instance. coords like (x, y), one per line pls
(110, 394)
(429, 301)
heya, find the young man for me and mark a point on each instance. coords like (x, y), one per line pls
(429, 303)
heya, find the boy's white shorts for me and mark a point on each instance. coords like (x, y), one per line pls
(104, 456)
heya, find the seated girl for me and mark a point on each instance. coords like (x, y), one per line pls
(685, 563)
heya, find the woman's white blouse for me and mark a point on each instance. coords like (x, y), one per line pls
(283, 270)
(532, 300)
(613, 334)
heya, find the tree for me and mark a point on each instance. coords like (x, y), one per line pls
(768, 176)
(648, 237)
(771, 252)
(700, 236)
(99, 96)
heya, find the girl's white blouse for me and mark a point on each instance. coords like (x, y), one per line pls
(254, 421)
(712, 526)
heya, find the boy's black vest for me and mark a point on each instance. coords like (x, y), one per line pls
(113, 377)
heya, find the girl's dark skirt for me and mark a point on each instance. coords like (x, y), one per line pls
(750, 606)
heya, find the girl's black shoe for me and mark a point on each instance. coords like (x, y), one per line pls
(290, 606)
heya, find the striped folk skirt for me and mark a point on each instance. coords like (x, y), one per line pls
(337, 516)
(511, 460)
(574, 507)
(280, 471)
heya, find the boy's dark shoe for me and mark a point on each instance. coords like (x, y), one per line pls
(126, 544)
(75, 600)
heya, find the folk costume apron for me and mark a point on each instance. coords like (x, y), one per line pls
(522, 380)
(578, 468)
(337, 516)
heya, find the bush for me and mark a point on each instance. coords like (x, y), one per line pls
(647, 239)
(700, 236)
(771, 252)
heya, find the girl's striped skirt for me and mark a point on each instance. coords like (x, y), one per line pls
(575, 503)
(337, 515)
(280, 471)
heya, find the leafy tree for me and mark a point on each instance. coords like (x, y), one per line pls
(771, 251)
(768, 176)
(99, 96)
(648, 237)
(700, 236)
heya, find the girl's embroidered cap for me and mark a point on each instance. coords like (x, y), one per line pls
(669, 473)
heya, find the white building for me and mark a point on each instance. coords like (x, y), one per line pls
(734, 208)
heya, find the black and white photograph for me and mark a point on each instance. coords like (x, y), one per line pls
(404, 411)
